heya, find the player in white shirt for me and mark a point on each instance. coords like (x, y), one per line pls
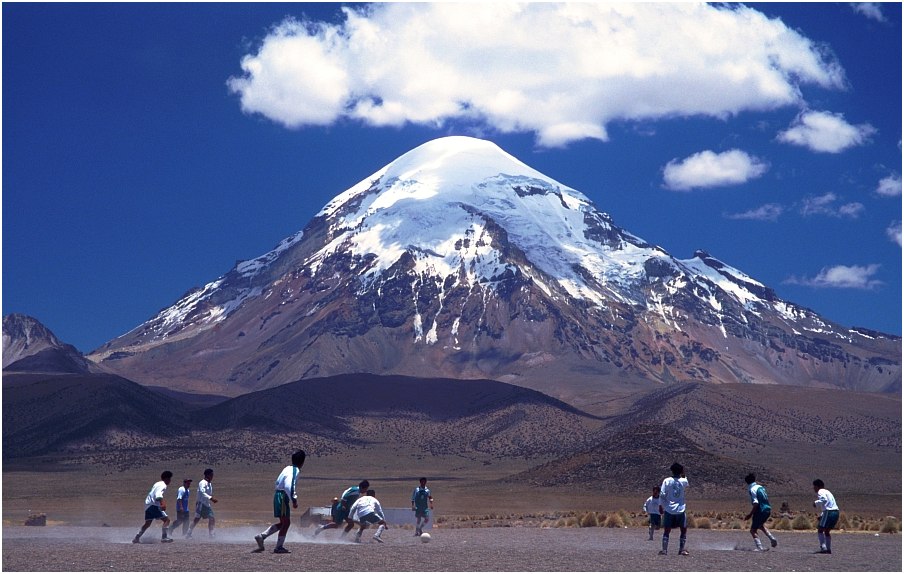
(672, 507)
(285, 493)
(828, 518)
(203, 508)
(367, 510)
(651, 507)
(155, 507)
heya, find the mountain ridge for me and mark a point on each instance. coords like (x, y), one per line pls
(458, 260)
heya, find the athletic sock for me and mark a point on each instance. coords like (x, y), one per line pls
(829, 542)
(665, 542)
(759, 544)
(822, 540)
(681, 542)
(279, 541)
(380, 531)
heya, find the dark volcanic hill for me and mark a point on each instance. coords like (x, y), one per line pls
(458, 261)
(81, 415)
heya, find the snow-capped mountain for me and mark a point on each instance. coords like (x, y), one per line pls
(457, 259)
(30, 346)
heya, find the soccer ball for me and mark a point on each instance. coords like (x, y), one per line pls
(425, 537)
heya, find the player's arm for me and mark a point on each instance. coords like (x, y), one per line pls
(431, 502)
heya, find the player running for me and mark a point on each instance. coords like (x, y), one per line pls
(341, 506)
(759, 512)
(421, 504)
(284, 495)
(367, 510)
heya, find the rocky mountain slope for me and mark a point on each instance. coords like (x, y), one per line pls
(30, 346)
(457, 260)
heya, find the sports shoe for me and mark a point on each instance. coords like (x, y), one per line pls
(663, 553)
(650, 538)
(280, 550)
(378, 539)
(188, 535)
(773, 542)
(165, 540)
(260, 542)
(136, 540)
(682, 553)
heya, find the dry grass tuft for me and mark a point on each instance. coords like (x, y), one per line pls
(801, 522)
(704, 523)
(782, 524)
(891, 525)
(614, 521)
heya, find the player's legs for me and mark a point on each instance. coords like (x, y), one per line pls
(145, 526)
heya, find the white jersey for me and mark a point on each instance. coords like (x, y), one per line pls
(651, 506)
(157, 491)
(671, 495)
(364, 506)
(286, 481)
(825, 500)
(205, 492)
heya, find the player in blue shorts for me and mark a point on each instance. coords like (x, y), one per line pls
(284, 495)
(828, 518)
(759, 512)
(672, 507)
(339, 509)
(155, 507)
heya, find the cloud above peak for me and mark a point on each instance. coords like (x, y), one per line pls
(825, 132)
(710, 169)
(561, 71)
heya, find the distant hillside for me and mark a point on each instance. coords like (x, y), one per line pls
(44, 413)
(29, 346)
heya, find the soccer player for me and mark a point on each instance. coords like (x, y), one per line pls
(340, 508)
(182, 513)
(284, 495)
(672, 507)
(759, 512)
(155, 507)
(203, 508)
(367, 510)
(421, 504)
(828, 517)
(651, 507)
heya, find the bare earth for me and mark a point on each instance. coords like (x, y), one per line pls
(68, 548)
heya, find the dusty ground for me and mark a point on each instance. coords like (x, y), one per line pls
(67, 548)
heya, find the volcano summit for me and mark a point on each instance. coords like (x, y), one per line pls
(458, 260)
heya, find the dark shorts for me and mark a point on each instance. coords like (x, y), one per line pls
(759, 519)
(371, 518)
(829, 519)
(339, 513)
(282, 504)
(670, 520)
(655, 520)
(422, 513)
(154, 513)
(203, 511)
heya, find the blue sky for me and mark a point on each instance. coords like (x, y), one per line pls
(147, 147)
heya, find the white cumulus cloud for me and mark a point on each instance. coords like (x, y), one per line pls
(893, 232)
(711, 169)
(825, 132)
(842, 277)
(561, 71)
(890, 186)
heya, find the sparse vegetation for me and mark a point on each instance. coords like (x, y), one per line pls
(782, 524)
(614, 521)
(801, 522)
(703, 523)
(891, 525)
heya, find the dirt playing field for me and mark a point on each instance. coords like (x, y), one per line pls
(466, 549)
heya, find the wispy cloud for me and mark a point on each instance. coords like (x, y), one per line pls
(826, 204)
(893, 231)
(890, 186)
(711, 169)
(767, 212)
(872, 10)
(842, 277)
(825, 132)
(561, 71)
